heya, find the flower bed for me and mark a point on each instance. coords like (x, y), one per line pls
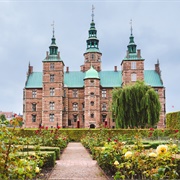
(122, 160)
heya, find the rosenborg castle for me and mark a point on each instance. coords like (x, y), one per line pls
(57, 96)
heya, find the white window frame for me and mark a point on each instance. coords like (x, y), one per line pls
(51, 117)
(133, 77)
(133, 65)
(51, 105)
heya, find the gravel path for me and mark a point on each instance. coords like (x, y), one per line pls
(76, 163)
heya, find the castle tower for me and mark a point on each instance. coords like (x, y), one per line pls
(92, 56)
(53, 87)
(92, 98)
(132, 64)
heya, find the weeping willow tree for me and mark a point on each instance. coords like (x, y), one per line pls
(135, 105)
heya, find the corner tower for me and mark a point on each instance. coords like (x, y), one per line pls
(52, 87)
(92, 56)
(132, 64)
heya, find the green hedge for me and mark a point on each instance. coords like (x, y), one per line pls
(43, 148)
(173, 120)
(77, 134)
(49, 160)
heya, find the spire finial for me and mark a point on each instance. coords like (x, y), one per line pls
(131, 26)
(53, 27)
(93, 12)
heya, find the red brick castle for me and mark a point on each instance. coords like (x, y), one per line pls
(55, 97)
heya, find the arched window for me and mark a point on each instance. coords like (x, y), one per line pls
(104, 117)
(33, 106)
(75, 117)
(92, 115)
(92, 103)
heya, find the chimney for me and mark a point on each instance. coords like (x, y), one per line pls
(157, 68)
(67, 69)
(47, 54)
(83, 68)
(139, 53)
(115, 68)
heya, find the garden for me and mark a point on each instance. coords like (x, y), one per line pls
(29, 154)
(146, 154)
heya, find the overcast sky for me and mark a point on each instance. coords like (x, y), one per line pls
(26, 32)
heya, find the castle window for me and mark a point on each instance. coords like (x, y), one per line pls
(33, 93)
(69, 122)
(75, 117)
(104, 107)
(156, 90)
(75, 106)
(92, 82)
(52, 91)
(133, 77)
(92, 115)
(104, 117)
(51, 105)
(51, 77)
(92, 94)
(83, 106)
(33, 118)
(103, 93)
(75, 93)
(51, 117)
(52, 66)
(33, 107)
(133, 65)
(92, 103)
(92, 55)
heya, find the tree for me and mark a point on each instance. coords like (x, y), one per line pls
(2, 117)
(135, 105)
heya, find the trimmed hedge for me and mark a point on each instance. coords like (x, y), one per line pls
(77, 134)
(173, 120)
(49, 160)
(43, 148)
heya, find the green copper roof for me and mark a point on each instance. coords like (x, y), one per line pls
(152, 78)
(52, 58)
(34, 80)
(91, 73)
(75, 79)
(92, 50)
(110, 78)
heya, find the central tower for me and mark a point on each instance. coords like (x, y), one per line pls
(92, 56)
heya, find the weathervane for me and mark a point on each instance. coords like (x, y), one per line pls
(131, 26)
(53, 27)
(93, 12)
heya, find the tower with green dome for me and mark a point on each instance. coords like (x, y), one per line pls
(132, 64)
(92, 98)
(53, 87)
(92, 56)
